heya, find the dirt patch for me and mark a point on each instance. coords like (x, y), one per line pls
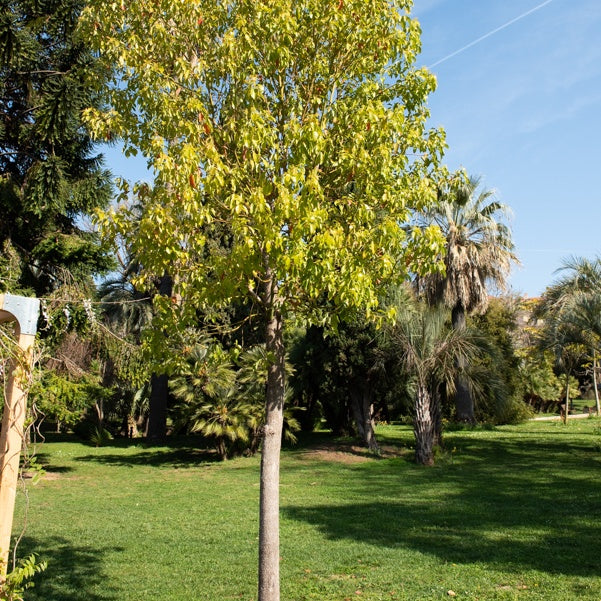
(341, 453)
(52, 476)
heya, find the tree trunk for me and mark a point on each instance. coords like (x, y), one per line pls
(595, 382)
(362, 406)
(156, 429)
(423, 427)
(464, 403)
(567, 409)
(356, 406)
(436, 412)
(368, 423)
(157, 407)
(269, 519)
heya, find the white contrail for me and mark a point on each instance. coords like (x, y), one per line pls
(487, 35)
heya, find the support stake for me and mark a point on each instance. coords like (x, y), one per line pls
(24, 312)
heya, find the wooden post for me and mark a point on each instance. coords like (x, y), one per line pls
(24, 312)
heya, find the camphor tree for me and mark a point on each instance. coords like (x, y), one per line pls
(302, 128)
(479, 252)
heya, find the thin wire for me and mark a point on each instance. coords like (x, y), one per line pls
(72, 301)
(487, 35)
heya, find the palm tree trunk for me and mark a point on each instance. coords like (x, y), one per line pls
(436, 411)
(269, 520)
(423, 427)
(464, 403)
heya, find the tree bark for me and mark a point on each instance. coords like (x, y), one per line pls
(368, 423)
(423, 427)
(269, 519)
(362, 406)
(464, 403)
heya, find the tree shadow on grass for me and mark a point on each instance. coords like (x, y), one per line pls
(513, 504)
(43, 459)
(175, 452)
(175, 458)
(72, 572)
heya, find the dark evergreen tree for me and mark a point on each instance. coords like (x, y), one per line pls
(50, 178)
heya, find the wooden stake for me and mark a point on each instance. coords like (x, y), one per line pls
(24, 312)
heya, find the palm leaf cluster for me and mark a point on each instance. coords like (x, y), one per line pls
(479, 249)
(223, 398)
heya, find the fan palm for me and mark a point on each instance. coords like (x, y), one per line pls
(430, 352)
(479, 252)
(208, 401)
(571, 309)
(252, 381)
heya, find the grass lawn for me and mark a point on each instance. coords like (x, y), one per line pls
(506, 514)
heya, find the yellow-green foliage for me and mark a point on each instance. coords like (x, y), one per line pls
(19, 579)
(300, 125)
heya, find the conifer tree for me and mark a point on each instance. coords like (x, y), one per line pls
(49, 177)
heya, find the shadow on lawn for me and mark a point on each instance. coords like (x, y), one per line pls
(43, 459)
(179, 457)
(71, 573)
(506, 503)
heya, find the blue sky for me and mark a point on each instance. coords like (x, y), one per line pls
(522, 109)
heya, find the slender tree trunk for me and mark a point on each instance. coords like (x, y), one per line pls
(567, 409)
(423, 427)
(595, 382)
(269, 519)
(436, 411)
(464, 403)
(368, 423)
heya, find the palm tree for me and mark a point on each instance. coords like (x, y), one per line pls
(571, 309)
(479, 252)
(578, 276)
(430, 353)
(587, 317)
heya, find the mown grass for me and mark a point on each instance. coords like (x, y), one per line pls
(506, 514)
